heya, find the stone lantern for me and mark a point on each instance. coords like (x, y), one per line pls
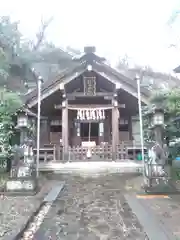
(156, 123)
(158, 117)
(22, 126)
(23, 171)
(176, 121)
(22, 120)
(26, 121)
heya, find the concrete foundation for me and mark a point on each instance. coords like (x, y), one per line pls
(21, 186)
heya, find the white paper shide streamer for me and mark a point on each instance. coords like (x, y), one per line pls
(90, 114)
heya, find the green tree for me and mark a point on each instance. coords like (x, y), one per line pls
(168, 100)
(24, 54)
(9, 104)
(4, 66)
(173, 19)
(9, 36)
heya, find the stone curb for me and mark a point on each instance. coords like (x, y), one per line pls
(53, 194)
(49, 198)
(153, 226)
(123, 170)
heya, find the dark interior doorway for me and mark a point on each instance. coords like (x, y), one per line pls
(85, 129)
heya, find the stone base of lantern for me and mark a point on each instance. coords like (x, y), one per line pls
(161, 189)
(21, 187)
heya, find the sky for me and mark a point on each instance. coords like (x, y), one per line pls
(137, 28)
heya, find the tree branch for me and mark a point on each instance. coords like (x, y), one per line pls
(41, 34)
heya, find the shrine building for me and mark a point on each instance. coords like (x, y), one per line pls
(88, 102)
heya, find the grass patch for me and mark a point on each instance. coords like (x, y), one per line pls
(3, 179)
(175, 173)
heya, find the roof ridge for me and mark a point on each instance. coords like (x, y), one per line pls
(119, 75)
(49, 83)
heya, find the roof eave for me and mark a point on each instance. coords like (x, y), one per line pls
(49, 89)
(177, 69)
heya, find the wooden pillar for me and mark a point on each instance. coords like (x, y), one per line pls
(65, 130)
(101, 132)
(115, 126)
(130, 128)
(107, 128)
(77, 137)
(44, 132)
(48, 129)
(118, 115)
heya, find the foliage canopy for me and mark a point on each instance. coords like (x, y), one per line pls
(169, 101)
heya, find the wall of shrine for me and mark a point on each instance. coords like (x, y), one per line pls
(101, 121)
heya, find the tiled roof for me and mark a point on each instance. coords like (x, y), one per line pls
(97, 64)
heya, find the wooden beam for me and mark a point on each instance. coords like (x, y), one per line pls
(59, 106)
(97, 94)
(108, 97)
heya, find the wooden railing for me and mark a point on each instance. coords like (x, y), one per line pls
(98, 153)
(47, 153)
(133, 148)
(103, 152)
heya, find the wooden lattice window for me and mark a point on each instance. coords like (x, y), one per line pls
(90, 86)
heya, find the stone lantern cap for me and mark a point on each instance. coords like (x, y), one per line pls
(176, 119)
(153, 110)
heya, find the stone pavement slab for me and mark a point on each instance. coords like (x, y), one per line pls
(167, 211)
(153, 225)
(91, 209)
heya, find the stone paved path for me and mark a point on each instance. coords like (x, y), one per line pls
(15, 211)
(91, 209)
(167, 211)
